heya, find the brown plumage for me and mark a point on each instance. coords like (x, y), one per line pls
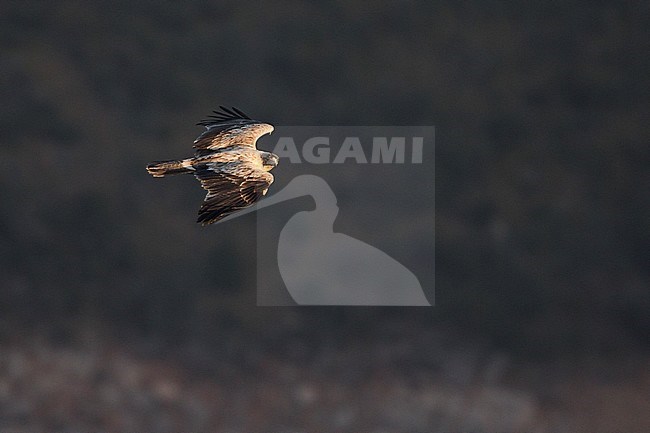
(227, 164)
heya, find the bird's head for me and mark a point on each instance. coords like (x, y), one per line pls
(269, 160)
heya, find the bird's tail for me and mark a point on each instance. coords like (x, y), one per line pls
(163, 168)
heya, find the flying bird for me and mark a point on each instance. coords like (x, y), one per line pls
(227, 163)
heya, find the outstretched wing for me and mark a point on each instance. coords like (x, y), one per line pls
(229, 127)
(230, 188)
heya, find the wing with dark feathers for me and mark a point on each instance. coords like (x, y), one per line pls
(228, 127)
(225, 115)
(230, 191)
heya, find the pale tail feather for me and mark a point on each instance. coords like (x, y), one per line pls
(163, 168)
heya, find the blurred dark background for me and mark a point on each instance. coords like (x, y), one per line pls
(118, 313)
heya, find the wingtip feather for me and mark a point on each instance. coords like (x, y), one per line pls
(223, 115)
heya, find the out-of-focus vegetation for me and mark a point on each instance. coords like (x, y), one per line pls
(541, 113)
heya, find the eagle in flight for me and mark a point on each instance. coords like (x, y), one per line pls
(227, 163)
